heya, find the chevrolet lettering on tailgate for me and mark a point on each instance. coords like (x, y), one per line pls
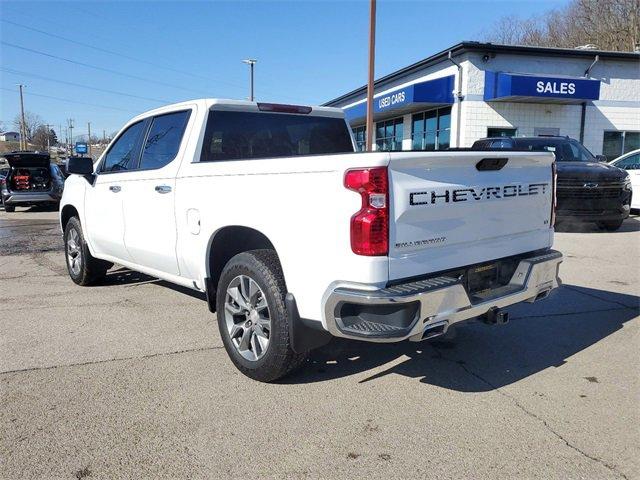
(446, 195)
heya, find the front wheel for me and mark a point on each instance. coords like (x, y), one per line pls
(84, 269)
(611, 226)
(252, 317)
(9, 209)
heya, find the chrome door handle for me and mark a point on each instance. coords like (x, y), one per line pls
(163, 188)
(115, 188)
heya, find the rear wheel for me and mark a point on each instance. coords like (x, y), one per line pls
(83, 268)
(252, 317)
(9, 209)
(611, 226)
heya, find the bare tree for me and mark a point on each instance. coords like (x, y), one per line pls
(44, 137)
(31, 120)
(606, 24)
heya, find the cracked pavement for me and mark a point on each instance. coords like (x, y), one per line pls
(130, 380)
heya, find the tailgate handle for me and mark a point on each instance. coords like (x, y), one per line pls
(491, 164)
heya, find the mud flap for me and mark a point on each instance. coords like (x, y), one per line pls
(305, 334)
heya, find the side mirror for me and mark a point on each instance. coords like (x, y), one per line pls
(601, 158)
(80, 165)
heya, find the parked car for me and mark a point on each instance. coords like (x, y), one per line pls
(588, 190)
(631, 163)
(294, 237)
(32, 180)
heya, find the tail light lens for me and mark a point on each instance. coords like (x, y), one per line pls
(370, 225)
(554, 181)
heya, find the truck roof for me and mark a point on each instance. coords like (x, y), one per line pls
(236, 105)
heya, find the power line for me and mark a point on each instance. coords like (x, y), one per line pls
(30, 93)
(113, 92)
(87, 65)
(118, 54)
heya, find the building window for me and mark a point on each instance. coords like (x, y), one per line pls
(389, 134)
(360, 135)
(616, 143)
(501, 132)
(431, 130)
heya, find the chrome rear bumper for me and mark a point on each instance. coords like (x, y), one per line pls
(435, 302)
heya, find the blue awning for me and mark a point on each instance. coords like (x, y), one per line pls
(510, 87)
(437, 92)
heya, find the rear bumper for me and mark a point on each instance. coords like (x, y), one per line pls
(413, 310)
(30, 198)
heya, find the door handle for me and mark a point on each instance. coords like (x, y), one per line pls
(163, 188)
(115, 188)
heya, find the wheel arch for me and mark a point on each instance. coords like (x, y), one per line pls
(66, 213)
(223, 245)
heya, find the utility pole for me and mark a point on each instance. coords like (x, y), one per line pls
(370, 83)
(89, 142)
(70, 123)
(23, 125)
(48, 139)
(104, 139)
(251, 62)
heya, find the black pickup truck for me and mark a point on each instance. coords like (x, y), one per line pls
(588, 190)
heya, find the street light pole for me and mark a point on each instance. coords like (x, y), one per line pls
(23, 125)
(251, 62)
(370, 83)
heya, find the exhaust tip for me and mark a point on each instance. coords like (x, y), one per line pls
(542, 295)
(435, 330)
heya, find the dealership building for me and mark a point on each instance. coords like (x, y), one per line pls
(474, 90)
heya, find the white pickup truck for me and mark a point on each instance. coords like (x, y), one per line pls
(295, 238)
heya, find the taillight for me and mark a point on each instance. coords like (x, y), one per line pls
(554, 181)
(370, 225)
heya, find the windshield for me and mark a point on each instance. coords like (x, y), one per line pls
(565, 150)
(250, 135)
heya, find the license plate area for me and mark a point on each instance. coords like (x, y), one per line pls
(482, 278)
(487, 280)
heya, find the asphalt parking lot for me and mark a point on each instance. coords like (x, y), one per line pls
(130, 380)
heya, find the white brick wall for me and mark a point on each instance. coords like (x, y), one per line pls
(600, 119)
(477, 116)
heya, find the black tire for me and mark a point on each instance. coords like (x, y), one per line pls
(278, 359)
(91, 270)
(611, 226)
(9, 208)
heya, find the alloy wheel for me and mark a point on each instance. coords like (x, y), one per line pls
(74, 252)
(247, 317)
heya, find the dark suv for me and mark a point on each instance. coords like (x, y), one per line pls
(31, 180)
(587, 190)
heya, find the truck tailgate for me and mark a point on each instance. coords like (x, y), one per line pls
(453, 209)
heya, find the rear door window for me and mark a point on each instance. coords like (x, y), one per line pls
(252, 135)
(163, 140)
(123, 155)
